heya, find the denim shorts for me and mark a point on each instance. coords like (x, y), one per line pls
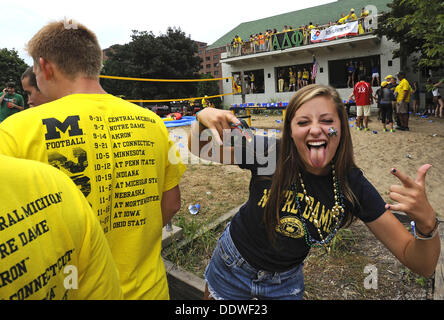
(230, 277)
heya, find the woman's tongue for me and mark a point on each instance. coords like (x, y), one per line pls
(317, 156)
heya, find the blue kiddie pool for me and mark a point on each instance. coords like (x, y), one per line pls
(185, 121)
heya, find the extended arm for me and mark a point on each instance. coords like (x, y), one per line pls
(207, 135)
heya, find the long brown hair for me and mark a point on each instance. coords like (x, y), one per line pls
(289, 163)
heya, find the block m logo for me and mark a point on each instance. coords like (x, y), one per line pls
(52, 124)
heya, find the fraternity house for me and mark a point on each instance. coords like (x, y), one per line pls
(321, 44)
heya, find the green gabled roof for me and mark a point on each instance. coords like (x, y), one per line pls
(317, 15)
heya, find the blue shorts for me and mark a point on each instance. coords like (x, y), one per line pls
(230, 277)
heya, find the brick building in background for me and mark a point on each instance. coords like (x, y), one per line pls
(211, 61)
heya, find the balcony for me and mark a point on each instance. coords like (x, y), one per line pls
(293, 41)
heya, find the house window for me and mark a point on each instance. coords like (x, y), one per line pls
(364, 66)
(254, 81)
(283, 75)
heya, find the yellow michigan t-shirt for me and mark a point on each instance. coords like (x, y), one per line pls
(121, 158)
(51, 244)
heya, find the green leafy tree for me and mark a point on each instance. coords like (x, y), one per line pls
(11, 66)
(167, 56)
(418, 26)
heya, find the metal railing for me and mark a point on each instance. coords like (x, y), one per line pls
(265, 42)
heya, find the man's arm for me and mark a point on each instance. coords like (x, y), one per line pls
(20, 104)
(3, 95)
(170, 204)
(17, 106)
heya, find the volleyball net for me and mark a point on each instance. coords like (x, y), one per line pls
(177, 81)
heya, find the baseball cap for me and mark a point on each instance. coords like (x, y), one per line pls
(389, 77)
(352, 10)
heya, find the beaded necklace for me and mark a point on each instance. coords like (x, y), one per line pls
(337, 213)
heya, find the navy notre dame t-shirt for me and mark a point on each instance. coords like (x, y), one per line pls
(248, 229)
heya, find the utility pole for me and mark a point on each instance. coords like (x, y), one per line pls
(243, 86)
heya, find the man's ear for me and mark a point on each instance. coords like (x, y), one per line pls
(47, 68)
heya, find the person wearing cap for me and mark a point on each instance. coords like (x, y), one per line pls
(351, 16)
(392, 84)
(386, 98)
(404, 91)
(390, 78)
(29, 85)
(10, 101)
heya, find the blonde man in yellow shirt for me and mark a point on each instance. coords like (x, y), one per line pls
(117, 153)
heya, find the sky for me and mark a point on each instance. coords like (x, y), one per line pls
(113, 21)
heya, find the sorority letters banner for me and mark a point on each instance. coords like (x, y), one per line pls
(285, 40)
(333, 32)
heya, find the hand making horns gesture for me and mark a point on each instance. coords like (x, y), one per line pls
(411, 198)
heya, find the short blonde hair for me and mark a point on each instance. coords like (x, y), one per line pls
(75, 50)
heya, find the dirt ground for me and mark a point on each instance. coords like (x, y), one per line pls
(340, 275)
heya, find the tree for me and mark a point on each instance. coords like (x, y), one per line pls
(168, 56)
(418, 26)
(11, 66)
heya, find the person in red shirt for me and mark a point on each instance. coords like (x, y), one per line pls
(363, 95)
